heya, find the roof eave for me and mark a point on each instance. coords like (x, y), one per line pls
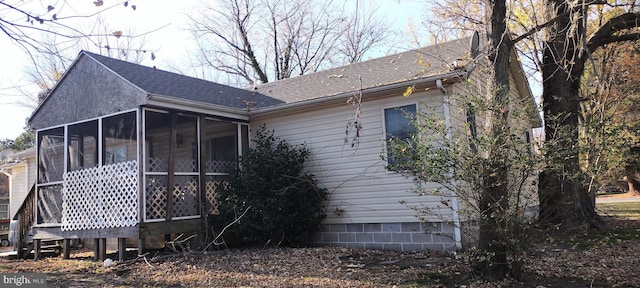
(27, 153)
(380, 91)
(196, 106)
(524, 87)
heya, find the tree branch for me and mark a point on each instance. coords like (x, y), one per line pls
(539, 27)
(605, 34)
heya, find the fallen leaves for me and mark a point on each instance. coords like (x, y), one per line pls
(611, 260)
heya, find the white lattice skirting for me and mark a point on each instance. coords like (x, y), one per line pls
(101, 197)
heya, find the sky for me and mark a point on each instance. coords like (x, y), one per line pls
(168, 43)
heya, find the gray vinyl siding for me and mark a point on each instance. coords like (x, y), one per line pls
(362, 190)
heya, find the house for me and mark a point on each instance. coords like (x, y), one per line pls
(128, 151)
(20, 168)
(369, 206)
(4, 208)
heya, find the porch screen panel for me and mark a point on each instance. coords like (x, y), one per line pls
(213, 183)
(50, 204)
(156, 164)
(186, 145)
(185, 196)
(186, 169)
(221, 149)
(50, 170)
(157, 136)
(83, 145)
(51, 155)
(119, 138)
(155, 197)
(221, 146)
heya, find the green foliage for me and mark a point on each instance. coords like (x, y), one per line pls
(283, 204)
(26, 140)
(609, 142)
(468, 157)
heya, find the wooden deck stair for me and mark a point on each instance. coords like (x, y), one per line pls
(26, 218)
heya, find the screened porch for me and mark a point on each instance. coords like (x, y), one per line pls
(126, 170)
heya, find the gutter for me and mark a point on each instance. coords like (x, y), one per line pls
(195, 106)
(448, 78)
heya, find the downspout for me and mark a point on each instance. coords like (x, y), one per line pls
(454, 200)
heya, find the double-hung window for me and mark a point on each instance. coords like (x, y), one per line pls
(398, 126)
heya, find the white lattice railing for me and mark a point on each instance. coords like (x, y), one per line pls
(101, 197)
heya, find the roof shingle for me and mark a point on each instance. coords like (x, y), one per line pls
(414, 64)
(164, 83)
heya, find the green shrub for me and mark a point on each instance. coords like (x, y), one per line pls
(285, 205)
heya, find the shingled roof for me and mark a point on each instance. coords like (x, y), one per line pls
(414, 64)
(164, 83)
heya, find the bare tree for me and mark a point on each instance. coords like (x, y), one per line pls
(23, 21)
(363, 32)
(57, 54)
(266, 40)
(51, 35)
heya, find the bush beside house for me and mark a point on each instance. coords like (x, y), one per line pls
(283, 203)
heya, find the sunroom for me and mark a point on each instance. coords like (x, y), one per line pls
(133, 174)
(128, 151)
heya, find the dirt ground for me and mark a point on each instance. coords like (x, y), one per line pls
(583, 259)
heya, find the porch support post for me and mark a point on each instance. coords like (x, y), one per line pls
(167, 239)
(65, 248)
(122, 248)
(18, 241)
(202, 185)
(96, 249)
(37, 247)
(173, 131)
(103, 249)
(140, 247)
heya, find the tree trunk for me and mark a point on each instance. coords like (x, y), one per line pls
(634, 185)
(563, 195)
(494, 200)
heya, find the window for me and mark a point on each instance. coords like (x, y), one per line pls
(473, 127)
(4, 211)
(398, 126)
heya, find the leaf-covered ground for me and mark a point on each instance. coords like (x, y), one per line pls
(582, 259)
